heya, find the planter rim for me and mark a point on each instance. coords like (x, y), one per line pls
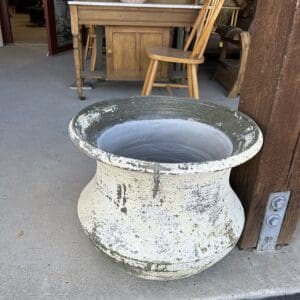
(244, 154)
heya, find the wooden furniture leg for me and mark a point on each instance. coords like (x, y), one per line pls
(80, 58)
(230, 72)
(147, 77)
(169, 89)
(77, 49)
(151, 78)
(189, 80)
(94, 55)
(78, 66)
(87, 47)
(245, 43)
(195, 82)
(232, 18)
(80, 48)
(236, 17)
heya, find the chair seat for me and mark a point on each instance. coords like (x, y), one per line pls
(173, 55)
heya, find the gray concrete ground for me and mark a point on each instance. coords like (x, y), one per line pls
(44, 254)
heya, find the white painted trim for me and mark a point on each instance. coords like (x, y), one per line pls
(144, 5)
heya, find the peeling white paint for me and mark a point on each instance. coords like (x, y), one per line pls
(163, 221)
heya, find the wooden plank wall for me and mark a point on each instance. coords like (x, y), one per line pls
(270, 95)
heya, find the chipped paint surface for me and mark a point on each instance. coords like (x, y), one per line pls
(187, 224)
(162, 220)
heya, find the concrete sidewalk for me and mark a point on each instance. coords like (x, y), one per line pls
(44, 254)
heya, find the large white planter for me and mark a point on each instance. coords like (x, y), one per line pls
(160, 202)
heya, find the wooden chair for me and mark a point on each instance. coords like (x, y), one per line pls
(200, 34)
(91, 47)
(230, 72)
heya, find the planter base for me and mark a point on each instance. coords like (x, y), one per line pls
(103, 225)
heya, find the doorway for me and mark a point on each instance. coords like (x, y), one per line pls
(27, 21)
(37, 22)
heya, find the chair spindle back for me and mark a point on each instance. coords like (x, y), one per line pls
(203, 27)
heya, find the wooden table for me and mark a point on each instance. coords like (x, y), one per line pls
(147, 15)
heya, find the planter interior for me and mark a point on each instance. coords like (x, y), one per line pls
(166, 141)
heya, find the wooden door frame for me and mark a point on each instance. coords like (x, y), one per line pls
(49, 12)
(5, 23)
(270, 95)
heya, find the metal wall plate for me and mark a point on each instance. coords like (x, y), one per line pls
(274, 216)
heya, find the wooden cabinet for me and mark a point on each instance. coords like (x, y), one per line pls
(126, 56)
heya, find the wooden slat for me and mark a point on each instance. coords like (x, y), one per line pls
(270, 95)
(173, 55)
(153, 17)
(171, 85)
(157, 1)
(95, 74)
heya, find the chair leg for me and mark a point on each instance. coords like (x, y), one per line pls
(195, 82)
(189, 80)
(151, 78)
(234, 92)
(147, 77)
(94, 55)
(169, 89)
(87, 47)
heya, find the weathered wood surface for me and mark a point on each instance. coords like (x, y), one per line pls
(270, 95)
(77, 50)
(136, 16)
(126, 56)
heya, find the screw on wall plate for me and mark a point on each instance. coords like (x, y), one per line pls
(278, 202)
(274, 216)
(273, 220)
